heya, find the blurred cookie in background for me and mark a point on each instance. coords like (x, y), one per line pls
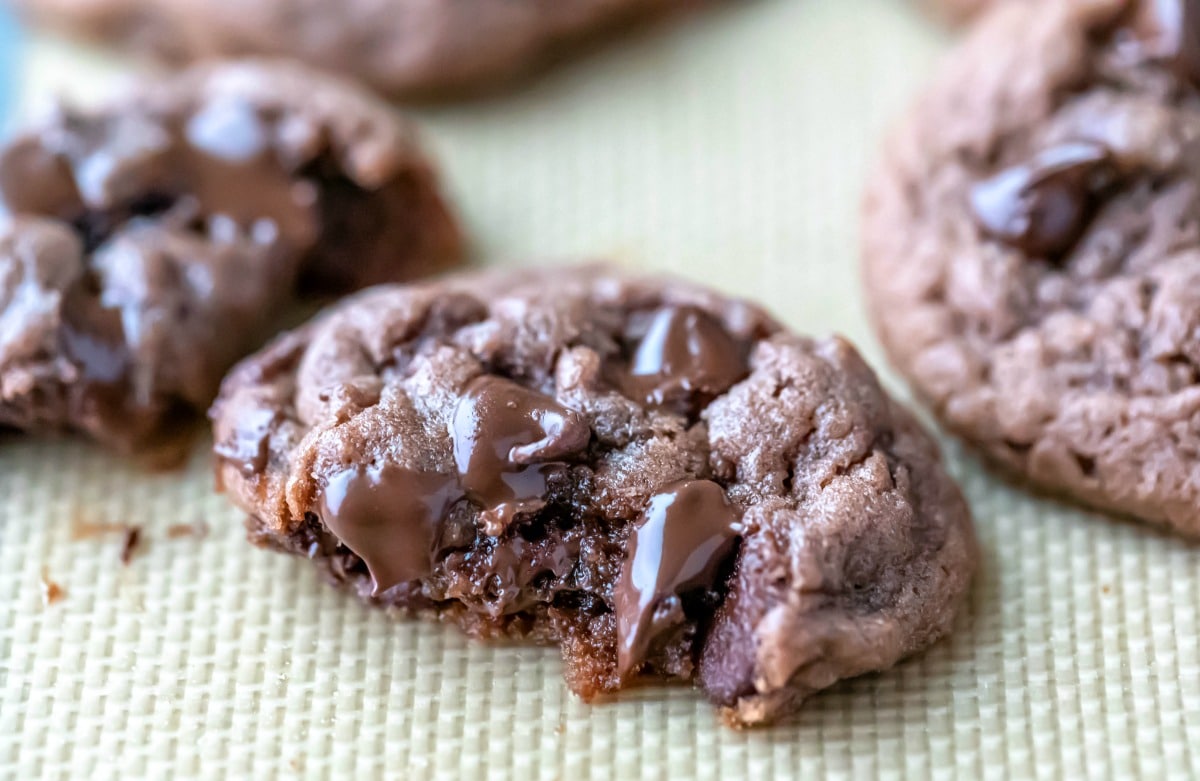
(1032, 250)
(147, 244)
(401, 47)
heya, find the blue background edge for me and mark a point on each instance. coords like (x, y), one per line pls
(8, 63)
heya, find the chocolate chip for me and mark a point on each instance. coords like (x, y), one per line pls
(249, 445)
(1042, 207)
(389, 516)
(507, 441)
(685, 355)
(686, 533)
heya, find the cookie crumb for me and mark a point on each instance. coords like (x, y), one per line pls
(199, 530)
(51, 591)
(83, 528)
(133, 536)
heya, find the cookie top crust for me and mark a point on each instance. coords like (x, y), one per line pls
(411, 48)
(148, 243)
(1032, 250)
(660, 479)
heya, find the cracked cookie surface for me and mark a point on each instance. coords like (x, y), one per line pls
(661, 480)
(1032, 251)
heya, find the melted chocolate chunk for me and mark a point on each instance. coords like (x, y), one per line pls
(686, 533)
(1042, 208)
(685, 357)
(507, 441)
(389, 516)
(250, 445)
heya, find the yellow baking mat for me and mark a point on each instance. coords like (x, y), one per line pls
(731, 148)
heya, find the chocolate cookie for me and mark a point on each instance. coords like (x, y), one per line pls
(659, 479)
(1032, 251)
(402, 47)
(152, 242)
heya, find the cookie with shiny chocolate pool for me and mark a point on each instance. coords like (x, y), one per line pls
(148, 244)
(1032, 251)
(402, 47)
(660, 480)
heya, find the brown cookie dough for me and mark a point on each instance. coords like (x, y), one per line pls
(661, 480)
(148, 244)
(1032, 251)
(402, 47)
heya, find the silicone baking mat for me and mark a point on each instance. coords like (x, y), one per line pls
(730, 148)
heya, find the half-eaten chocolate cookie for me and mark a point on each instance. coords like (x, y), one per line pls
(661, 480)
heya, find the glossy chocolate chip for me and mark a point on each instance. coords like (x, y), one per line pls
(1042, 207)
(389, 516)
(685, 354)
(249, 446)
(681, 542)
(507, 441)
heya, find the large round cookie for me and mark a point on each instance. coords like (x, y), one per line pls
(402, 47)
(148, 243)
(659, 479)
(1032, 250)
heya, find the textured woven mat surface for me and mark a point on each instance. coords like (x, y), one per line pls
(731, 148)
